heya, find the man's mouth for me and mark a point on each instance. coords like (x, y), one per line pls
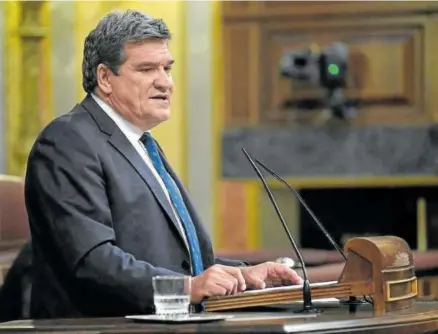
(163, 97)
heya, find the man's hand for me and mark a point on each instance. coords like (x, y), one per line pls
(270, 274)
(217, 280)
(220, 280)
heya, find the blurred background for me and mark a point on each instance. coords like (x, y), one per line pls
(339, 98)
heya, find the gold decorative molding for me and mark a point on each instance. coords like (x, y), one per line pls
(27, 79)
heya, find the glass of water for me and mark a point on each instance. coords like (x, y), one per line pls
(172, 294)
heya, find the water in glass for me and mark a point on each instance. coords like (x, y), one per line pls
(171, 304)
(171, 295)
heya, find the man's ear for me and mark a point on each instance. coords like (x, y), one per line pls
(104, 79)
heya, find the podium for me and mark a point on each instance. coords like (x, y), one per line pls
(378, 267)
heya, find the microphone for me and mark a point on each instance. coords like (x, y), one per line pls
(352, 299)
(307, 294)
(314, 218)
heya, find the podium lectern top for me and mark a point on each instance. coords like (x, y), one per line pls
(379, 267)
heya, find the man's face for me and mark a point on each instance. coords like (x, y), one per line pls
(142, 89)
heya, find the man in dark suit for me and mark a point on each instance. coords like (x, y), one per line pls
(106, 211)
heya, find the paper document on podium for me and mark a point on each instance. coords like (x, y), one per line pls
(288, 288)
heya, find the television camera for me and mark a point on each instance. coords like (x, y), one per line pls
(327, 69)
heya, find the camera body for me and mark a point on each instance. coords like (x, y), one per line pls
(325, 69)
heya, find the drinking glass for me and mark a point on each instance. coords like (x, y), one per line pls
(172, 294)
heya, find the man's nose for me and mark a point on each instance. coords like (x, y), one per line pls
(163, 80)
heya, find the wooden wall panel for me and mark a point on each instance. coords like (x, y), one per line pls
(430, 67)
(385, 68)
(243, 8)
(238, 10)
(237, 37)
(241, 73)
(233, 216)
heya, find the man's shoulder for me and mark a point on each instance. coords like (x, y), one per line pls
(75, 132)
(75, 122)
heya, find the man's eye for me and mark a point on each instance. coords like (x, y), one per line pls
(168, 68)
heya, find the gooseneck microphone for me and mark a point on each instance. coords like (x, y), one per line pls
(352, 299)
(307, 294)
(314, 218)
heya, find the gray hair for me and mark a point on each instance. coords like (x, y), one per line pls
(105, 44)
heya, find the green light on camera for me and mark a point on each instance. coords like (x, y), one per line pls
(333, 69)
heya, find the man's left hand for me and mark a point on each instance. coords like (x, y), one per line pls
(270, 274)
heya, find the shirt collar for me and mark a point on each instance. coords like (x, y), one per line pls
(132, 132)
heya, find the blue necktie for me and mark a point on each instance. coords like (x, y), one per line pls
(177, 201)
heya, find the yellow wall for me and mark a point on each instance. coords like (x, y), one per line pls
(27, 81)
(171, 135)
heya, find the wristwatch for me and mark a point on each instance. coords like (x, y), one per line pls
(287, 261)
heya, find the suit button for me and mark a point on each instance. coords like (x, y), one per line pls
(185, 265)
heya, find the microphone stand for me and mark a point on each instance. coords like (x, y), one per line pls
(307, 294)
(352, 299)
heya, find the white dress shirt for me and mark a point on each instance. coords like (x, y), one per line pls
(133, 134)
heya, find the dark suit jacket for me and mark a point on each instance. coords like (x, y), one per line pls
(101, 225)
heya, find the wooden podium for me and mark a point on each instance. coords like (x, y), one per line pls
(378, 267)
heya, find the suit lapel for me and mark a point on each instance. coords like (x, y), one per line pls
(122, 144)
(119, 141)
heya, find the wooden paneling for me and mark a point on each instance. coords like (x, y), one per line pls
(430, 67)
(391, 56)
(245, 10)
(242, 74)
(233, 218)
(385, 68)
(238, 228)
